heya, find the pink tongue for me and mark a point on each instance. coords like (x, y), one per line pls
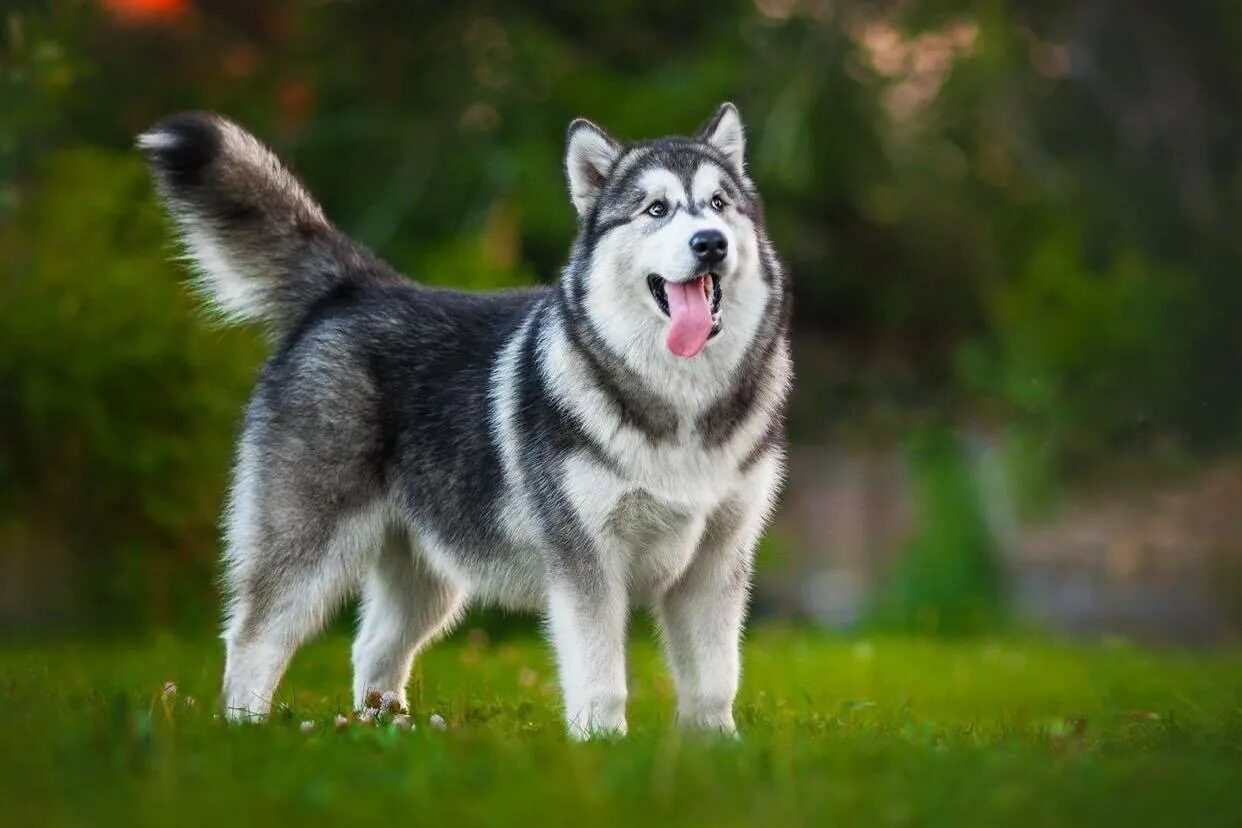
(692, 318)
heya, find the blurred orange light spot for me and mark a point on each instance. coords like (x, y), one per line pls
(295, 100)
(143, 10)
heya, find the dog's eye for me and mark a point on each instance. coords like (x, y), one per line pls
(657, 208)
(718, 203)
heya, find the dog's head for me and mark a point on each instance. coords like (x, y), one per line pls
(670, 247)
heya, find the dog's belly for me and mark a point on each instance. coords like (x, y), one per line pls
(512, 577)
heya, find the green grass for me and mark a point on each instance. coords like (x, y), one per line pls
(889, 731)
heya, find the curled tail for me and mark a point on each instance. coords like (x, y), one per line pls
(260, 245)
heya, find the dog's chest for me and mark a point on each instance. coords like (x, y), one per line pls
(680, 471)
(647, 516)
(654, 539)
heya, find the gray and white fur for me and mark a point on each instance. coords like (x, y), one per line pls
(539, 449)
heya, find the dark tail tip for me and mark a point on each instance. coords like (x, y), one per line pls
(182, 146)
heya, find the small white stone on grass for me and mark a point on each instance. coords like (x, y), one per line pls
(437, 721)
(307, 726)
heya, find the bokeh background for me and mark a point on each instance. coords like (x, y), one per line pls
(1015, 230)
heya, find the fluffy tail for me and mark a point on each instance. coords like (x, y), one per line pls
(260, 245)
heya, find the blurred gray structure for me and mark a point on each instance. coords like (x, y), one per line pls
(1156, 561)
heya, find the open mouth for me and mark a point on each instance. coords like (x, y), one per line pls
(693, 310)
(711, 292)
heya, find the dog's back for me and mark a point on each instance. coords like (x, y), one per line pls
(377, 394)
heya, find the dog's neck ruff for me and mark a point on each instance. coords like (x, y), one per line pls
(664, 396)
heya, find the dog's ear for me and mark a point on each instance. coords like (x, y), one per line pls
(726, 133)
(589, 155)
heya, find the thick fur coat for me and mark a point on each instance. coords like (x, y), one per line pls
(610, 442)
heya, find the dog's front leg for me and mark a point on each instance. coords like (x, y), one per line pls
(587, 620)
(701, 618)
(701, 614)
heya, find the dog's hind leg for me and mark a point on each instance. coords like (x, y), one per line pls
(404, 607)
(291, 563)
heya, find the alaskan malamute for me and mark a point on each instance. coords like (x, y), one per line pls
(612, 441)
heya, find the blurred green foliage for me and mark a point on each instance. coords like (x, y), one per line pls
(1016, 213)
(948, 581)
(119, 405)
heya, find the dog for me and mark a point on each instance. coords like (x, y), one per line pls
(614, 440)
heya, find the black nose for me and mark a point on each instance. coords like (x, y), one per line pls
(709, 246)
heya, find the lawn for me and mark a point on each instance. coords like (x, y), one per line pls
(835, 731)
